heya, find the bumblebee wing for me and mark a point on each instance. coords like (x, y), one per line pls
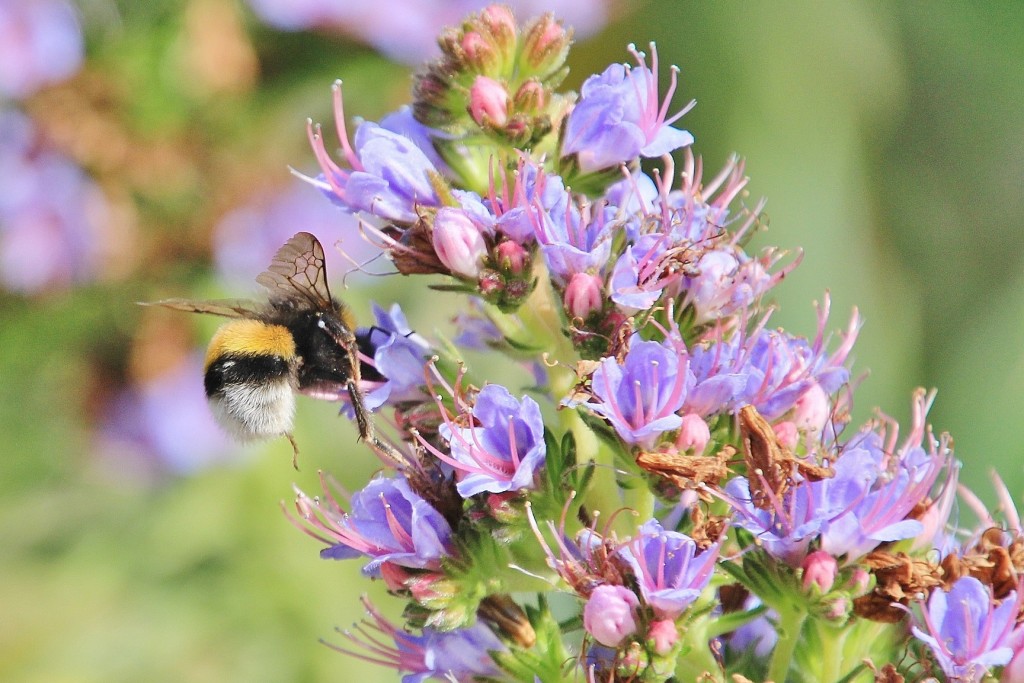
(297, 272)
(227, 308)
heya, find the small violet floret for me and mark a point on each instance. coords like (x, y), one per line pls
(505, 448)
(619, 117)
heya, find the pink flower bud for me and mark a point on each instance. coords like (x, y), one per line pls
(488, 102)
(530, 97)
(512, 257)
(458, 242)
(583, 295)
(498, 20)
(860, 581)
(546, 45)
(693, 434)
(786, 434)
(664, 635)
(820, 569)
(610, 614)
(490, 283)
(812, 409)
(478, 51)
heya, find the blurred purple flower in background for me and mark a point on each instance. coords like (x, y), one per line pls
(40, 44)
(53, 218)
(407, 32)
(143, 426)
(247, 238)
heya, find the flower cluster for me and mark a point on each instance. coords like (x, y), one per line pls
(680, 469)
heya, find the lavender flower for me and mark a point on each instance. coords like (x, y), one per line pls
(144, 422)
(54, 226)
(573, 239)
(388, 174)
(388, 522)
(505, 451)
(669, 570)
(40, 44)
(408, 31)
(247, 237)
(398, 359)
(619, 117)
(967, 632)
(454, 655)
(640, 397)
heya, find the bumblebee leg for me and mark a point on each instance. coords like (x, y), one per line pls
(295, 450)
(365, 425)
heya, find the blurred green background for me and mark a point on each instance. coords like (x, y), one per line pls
(888, 139)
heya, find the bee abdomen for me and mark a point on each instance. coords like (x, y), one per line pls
(252, 396)
(244, 369)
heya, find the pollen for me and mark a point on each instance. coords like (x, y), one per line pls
(250, 338)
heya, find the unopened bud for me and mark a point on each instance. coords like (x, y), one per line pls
(694, 434)
(820, 569)
(583, 295)
(812, 409)
(488, 102)
(786, 434)
(546, 45)
(458, 243)
(610, 614)
(664, 636)
(512, 257)
(477, 51)
(531, 97)
(499, 22)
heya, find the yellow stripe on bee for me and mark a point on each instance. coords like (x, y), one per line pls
(250, 337)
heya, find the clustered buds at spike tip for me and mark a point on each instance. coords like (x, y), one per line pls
(678, 468)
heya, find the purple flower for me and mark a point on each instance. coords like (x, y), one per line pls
(866, 502)
(786, 531)
(407, 32)
(573, 239)
(245, 239)
(388, 174)
(475, 329)
(521, 199)
(967, 632)
(398, 359)
(618, 117)
(462, 654)
(142, 427)
(640, 397)
(768, 369)
(878, 491)
(757, 637)
(54, 227)
(670, 571)
(644, 270)
(505, 448)
(388, 522)
(40, 43)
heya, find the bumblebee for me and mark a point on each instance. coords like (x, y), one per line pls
(301, 340)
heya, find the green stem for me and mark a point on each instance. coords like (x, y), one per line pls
(832, 642)
(791, 622)
(542, 323)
